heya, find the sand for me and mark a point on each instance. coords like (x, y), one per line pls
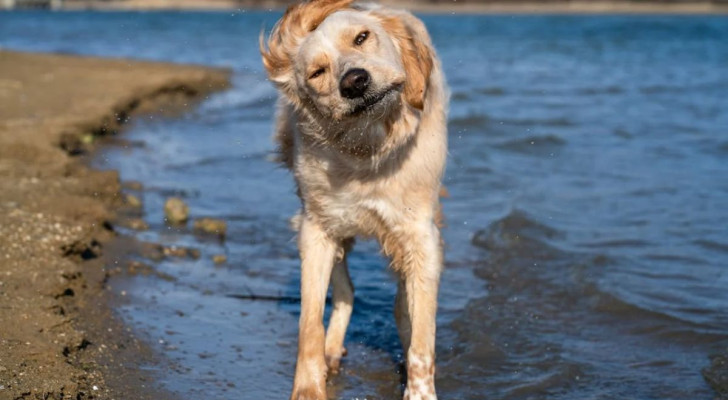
(58, 337)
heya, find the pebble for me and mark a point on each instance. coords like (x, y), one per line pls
(182, 252)
(132, 185)
(137, 224)
(133, 201)
(176, 211)
(211, 226)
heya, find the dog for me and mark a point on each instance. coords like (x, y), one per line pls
(361, 123)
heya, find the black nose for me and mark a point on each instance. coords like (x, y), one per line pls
(354, 83)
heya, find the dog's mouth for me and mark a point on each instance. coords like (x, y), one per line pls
(369, 101)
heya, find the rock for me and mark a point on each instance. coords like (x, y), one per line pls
(87, 138)
(211, 226)
(219, 258)
(137, 224)
(84, 249)
(132, 201)
(10, 204)
(181, 252)
(71, 144)
(157, 252)
(152, 251)
(176, 211)
(139, 268)
(132, 185)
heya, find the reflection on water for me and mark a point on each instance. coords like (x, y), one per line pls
(588, 234)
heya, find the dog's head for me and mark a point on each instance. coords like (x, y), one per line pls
(341, 61)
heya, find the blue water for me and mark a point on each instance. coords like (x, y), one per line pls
(587, 237)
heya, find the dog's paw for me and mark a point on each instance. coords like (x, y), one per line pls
(333, 364)
(333, 360)
(308, 393)
(418, 396)
(420, 389)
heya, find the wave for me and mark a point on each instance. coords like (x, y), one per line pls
(584, 91)
(544, 144)
(216, 160)
(676, 258)
(481, 120)
(525, 260)
(590, 91)
(517, 230)
(717, 374)
(660, 89)
(558, 122)
(469, 121)
(613, 243)
(623, 133)
(712, 245)
(491, 91)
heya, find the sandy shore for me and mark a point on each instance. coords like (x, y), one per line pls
(57, 336)
(463, 7)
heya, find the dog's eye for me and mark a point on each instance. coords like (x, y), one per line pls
(317, 73)
(360, 38)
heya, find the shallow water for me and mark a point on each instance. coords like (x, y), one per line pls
(587, 238)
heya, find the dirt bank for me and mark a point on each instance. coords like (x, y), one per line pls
(57, 336)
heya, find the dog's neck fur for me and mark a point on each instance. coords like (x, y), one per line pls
(367, 143)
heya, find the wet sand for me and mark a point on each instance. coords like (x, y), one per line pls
(443, 7)
(58, 338)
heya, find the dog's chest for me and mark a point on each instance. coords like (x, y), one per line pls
(347, 213)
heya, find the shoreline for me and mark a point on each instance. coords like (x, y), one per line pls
(496, 7)
(59, 337)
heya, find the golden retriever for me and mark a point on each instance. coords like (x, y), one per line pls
(362, 125)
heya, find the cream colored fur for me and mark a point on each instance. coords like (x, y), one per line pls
(372, 173)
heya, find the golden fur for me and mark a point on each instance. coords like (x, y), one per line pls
(368, 165)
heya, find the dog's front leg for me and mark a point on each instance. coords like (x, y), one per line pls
(318, 252)
(342, 297)
(421, 263)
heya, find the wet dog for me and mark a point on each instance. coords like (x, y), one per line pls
(362, 125)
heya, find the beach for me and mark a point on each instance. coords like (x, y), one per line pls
(585, 246)
(55, 215)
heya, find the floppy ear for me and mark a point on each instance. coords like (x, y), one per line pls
(276, 62)
(411, 39)
(297, 22)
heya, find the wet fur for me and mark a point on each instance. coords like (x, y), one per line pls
(372, 174)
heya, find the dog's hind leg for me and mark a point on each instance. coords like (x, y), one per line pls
(342, 296)
(318, 254)
(402, 317)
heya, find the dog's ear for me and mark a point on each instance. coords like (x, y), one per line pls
(297, 22)
(277, 64)
(413, 43)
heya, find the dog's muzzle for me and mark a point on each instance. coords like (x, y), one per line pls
(355, 83)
